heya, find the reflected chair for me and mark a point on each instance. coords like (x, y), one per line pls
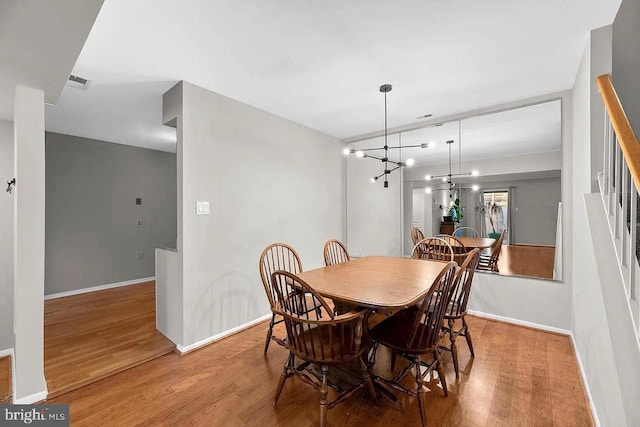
(457, 308)
(459, 250)
(433, 248)
(277, 256)
(490, 262)
(466, 232)
(335, 252)
(414, 335)
(416, 235)
(319, 342)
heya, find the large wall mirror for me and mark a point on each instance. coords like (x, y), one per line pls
(491, 173)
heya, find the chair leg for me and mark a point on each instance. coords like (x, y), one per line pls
(420, 391)
(372, 355)
(467, 335)
(454, 349)
(393, 360)
(323, 396)
(269, 333)
(440, 368)
(367, 378)
(286, 373)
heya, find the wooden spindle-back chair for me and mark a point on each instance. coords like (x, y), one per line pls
(335, 252)
(490, 262)
(416, 235)
(277, 256)
(433, 248)
(416, 335)
(457, 309)
(330, 340)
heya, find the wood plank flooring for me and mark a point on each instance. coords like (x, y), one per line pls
(519, 377)
(5, 379)
(527, 260)
(90, 336)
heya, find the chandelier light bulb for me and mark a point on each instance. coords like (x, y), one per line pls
(346, 151)
(475, 187)
(409, 162)
(474, 173)
(444, 179)
(427, 190)
(359, 154)
(374, 179)
(427, 178)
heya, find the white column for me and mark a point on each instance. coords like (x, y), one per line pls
(29, 223)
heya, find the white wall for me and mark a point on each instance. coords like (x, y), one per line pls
(29, 244)
(373, 212)
(535, 162)
(267, 180)
(6, 236)
(605, 339)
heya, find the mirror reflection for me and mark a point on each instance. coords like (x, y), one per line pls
(493, 181)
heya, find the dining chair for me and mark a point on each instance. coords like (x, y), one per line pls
(490, 262)
(457, 308)
(277, 256)
(335, 252)
(459, 250)
(433, 248)
(319, 342)
(466, 232)
(416, 335)
(416, 234)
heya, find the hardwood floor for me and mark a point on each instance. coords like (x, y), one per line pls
(527, 260)
(90, 336)
(519, 377)
(5, 379)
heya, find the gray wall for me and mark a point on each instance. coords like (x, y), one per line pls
(91, 215)
(536, 201)
(6, 236)
(626, 59)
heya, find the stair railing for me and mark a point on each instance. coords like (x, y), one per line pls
(619, 185)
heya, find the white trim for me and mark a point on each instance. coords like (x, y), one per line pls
(519, 322)
(99, 288)
(584, 381)
(221, 335)
(32, 398)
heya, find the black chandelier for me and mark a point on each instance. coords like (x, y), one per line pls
(448, 178)
(362, 153)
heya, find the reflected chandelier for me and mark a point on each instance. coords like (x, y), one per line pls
(362, 153)
(448, 178)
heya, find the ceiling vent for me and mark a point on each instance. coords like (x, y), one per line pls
(78, 82)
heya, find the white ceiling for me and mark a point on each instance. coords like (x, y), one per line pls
(39, 43)
(321, 63)
(532, 129)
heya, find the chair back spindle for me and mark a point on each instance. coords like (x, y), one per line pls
(433, 248)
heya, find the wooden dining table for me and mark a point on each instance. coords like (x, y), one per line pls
(375, 282)
(378, 283)
(476, 242)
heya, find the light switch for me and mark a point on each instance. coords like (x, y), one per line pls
(202, 208)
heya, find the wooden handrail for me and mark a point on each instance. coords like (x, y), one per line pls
(624, 133)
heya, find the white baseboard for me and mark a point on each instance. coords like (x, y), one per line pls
(519, 322)
(32, 398)
(584, 381)
(99, 288)
(218, 337)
